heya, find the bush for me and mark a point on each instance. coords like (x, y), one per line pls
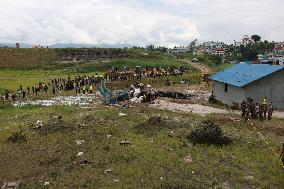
(17, 137)
(208, 133)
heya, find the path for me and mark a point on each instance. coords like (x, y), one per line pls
(199, 109)
(198, 65)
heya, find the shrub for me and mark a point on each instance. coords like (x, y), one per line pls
(17, 137)
(208, 133)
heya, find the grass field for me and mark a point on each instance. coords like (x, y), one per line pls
(155, 157)
(11, 79)
(51, 156)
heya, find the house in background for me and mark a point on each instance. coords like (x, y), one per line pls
(271, 58)
(279, 48)
(179, 50)
(256, 81)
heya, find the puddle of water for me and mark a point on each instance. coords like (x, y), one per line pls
(81, 100)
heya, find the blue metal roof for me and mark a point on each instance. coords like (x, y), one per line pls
(243, 74)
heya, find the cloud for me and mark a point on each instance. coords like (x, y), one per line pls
(92, 22)
(138, 22)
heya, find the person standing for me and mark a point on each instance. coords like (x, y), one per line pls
(33, 89)
(53, 89)
(91, 89)
(84, 89)
(28, 89)
(243, 107)
(282, 155)
(270, 111)
(24, 94)
(265, 104)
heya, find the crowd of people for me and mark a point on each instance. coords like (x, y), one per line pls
(80, 84)
(114, 74)
(260, 111)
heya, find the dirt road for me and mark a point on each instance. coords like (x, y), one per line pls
(199, 109)
(199, 65)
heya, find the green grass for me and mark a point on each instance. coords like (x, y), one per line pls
(11, 79)
(52, 156)
(26, 58)
(34, 157)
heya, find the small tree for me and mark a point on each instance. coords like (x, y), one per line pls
(255, 38)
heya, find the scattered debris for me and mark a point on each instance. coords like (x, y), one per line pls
(11, 185)
(85, 162)
(171, 134)
(46, 183)
(80, 154)
(249, 178)
(107, 171)
(125, 143)
(121, 114)
(115, 180)
(162, 178)
(108, 136)
(235, 120)
(79, 142)
(80, 100)
(188, 159)
(38, 124)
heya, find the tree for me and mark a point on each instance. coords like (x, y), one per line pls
(192, 44)
(151, 47)
(255, 38)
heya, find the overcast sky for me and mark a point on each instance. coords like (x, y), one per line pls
(139, 22)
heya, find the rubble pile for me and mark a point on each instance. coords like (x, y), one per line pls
(199, 96)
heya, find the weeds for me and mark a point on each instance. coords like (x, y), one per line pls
(208, 133)
(17, 137)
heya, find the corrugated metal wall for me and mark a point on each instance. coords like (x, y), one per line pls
(271, 87)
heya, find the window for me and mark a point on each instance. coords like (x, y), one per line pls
(226, 87)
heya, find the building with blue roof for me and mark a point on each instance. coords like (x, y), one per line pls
(256, 81)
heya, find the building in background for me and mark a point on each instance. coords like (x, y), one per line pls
(17, 45)
(179, 50)
(256, 81)
(279, 47)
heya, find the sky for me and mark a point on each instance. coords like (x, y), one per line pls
(139, 22)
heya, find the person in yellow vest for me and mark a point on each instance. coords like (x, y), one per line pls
(84, 89)
(265, 107)
(91, 89)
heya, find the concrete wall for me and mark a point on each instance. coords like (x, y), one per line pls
(233, 94)
(271, 87)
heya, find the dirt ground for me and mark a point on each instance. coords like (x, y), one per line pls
(166, 104)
